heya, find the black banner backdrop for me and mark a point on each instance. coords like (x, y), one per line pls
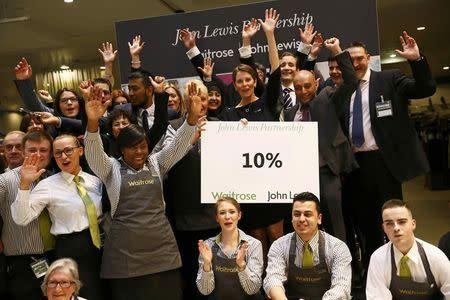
(219, 33)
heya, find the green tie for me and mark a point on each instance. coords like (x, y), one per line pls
(405, 272)
(307, 261)
(90, 210)
(44, 228)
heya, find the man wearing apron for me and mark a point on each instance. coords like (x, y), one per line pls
(406, 267)
(140, 257)
(308, 263)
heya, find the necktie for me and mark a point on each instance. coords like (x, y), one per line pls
(405, 272)
(307, 260)
(44, 228)
(91, 213)
(357, 125)
(287, 100)
(145, 120)
(305, 113)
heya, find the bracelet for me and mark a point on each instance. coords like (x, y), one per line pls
(136, 62)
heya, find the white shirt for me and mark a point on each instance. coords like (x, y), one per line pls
(369, 140)
(151, 114)
(379, 273)
(337, 258)
(60, 195)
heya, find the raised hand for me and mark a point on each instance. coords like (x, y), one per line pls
(206, 254)
(95, 107)
(195, 106)
(317, 45)
(208, 67)
(30, 171)
(85, 89)
(45, 95)
(308, 34)
(158, 84)
(250, 29)
(136, 46)
(270, 22)
(107, 52)
(188, 38)
(242, 253)
(333, 45)
(46, 118)
(23, 70)
(410, 48)
(200, 127)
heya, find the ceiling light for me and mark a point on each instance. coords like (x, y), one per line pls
(393, 55)
(102, 68)
(64, 67)
(48, 84)
(421, 28)
(446, 68)
(68, 1)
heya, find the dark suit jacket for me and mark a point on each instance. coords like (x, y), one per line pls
(395, 135)
(334, 146)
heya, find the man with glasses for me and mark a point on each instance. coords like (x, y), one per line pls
(406, 267)
(25, 245)
(73, 199)
(13, 149)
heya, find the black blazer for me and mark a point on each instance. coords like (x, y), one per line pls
(334, 146)
(395, 135)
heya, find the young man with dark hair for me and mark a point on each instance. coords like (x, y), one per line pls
(406, 267)
(308, 263)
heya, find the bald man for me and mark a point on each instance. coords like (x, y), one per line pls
(335, 155)
(13, 149)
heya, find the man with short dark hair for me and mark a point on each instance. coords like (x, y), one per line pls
(406, 267)
(308, 263)
(24, 245)
(386, 146)
(13, 149)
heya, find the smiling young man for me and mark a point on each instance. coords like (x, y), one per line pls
(406, 267)
(308, 263)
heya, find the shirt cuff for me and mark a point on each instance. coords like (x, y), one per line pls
(304, 48)
(245, 51)
(91, 136)
(193, 52)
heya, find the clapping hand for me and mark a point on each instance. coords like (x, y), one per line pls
(410, 48)
(242, 253)
(206, 254)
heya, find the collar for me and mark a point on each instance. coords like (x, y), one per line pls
(291, 86)
(242, 237)
(69, 177)
(313, 242)
(413, 254)
(150, 109)
(133, 170)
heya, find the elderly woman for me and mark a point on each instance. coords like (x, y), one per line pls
(62, 281)
(231, 263)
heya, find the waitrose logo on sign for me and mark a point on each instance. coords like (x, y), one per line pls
(235, 195)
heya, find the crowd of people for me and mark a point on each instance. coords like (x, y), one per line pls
(106, 184)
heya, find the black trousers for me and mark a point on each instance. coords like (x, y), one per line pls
(370, 186)
(22, 284)
(79, 247)
(188, 246)
(158, 286)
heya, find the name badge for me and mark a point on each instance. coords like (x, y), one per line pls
(383, 108)
(39, 267)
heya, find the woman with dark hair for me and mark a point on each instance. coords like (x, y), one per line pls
(29, 123)
(68, 103)
(116, 121)
(231, 263)
(140, 255)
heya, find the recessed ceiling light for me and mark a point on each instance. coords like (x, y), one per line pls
(48, 84)
(102, 68)
(446, 68)
(68, 1)
(421, 28)
(64, 67)
(393, 55)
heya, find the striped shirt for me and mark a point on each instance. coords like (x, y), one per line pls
(17, 240)
(108, 168)
(250, 277)
(337, 258)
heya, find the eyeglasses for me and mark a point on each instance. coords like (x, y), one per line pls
(63, 284)
(68, 151)
(65, 100)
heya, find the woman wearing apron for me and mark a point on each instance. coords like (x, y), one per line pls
(140, 258)
(231, 263)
